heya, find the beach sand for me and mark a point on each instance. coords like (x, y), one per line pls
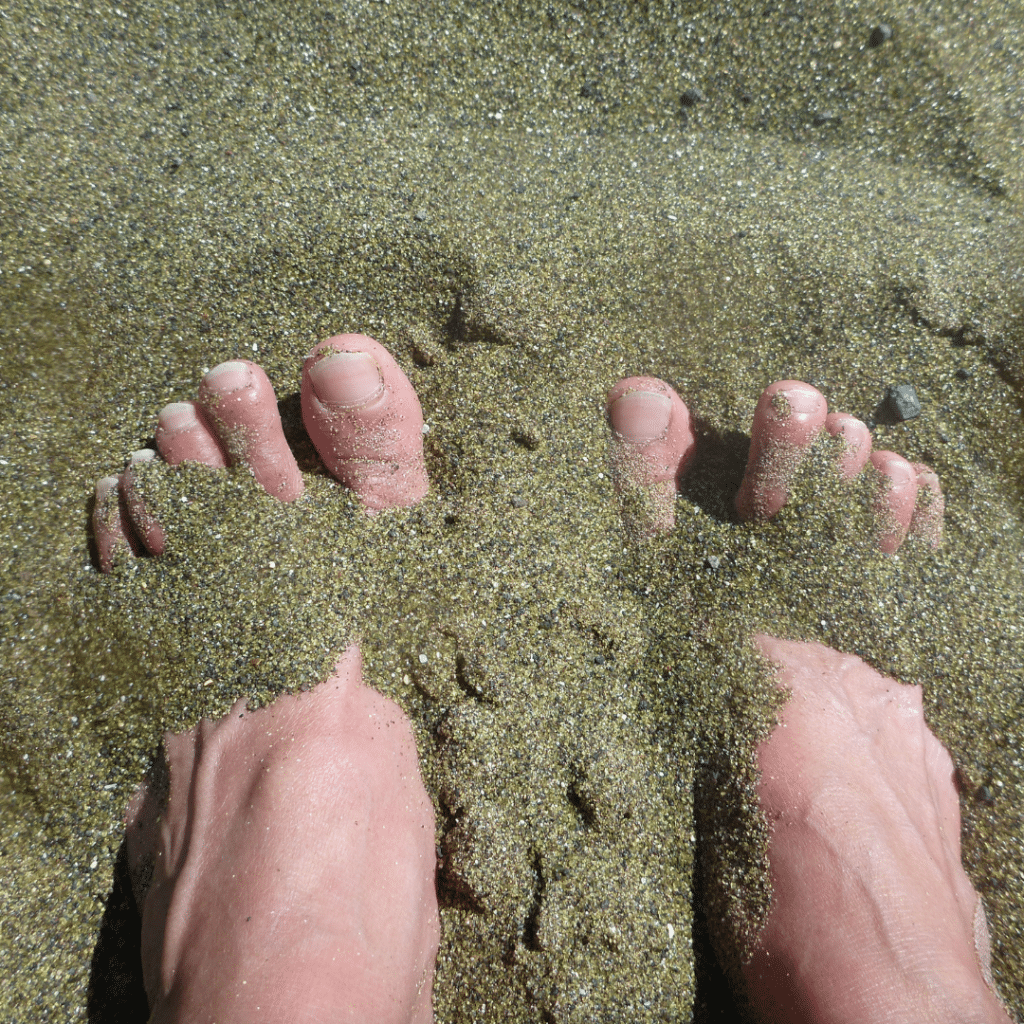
(523, 203)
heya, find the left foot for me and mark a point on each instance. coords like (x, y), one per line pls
(358, 407)
(286, 871)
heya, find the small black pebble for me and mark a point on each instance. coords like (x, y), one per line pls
(691, 97)
(963, 374)
(900, 403)
(984, 795)
(826, 117)
(880, 34)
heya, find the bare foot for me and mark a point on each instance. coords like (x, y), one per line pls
(288, 873)
(358, 406)
(872, 918)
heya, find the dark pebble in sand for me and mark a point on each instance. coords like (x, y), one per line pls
(984, 795)
(900, 403)
(691, 97)
(712, 561)
(880, 34)
(823, 117)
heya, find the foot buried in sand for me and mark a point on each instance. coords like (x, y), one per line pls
(358, 407)
(873, 917)
(285, 869)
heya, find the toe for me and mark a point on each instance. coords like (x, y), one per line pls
(183, 436)
(144, 522)
(365, 420)
(238, 401)
(896, 498)
(929, 506)
(857, 439)
(111, 525)
(788, 418)
(652, 443)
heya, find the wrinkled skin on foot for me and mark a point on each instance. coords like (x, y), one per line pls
(873, 918)
(291, 875)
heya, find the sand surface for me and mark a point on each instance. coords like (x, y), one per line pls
(523, 203)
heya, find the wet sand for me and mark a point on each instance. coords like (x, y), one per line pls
(523, 205)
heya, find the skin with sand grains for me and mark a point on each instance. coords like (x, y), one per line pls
(873, 917)
(365, 420)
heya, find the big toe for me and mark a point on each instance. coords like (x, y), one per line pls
(652, 443)
(365, 420)
(788, 417)
(238, 401)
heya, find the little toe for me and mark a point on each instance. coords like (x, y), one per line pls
(144, 522)
(183, 436)
(111, 525)
(652, 443)
(364, 418)
(238, 400)
(929, 506)
(896, 498)
(788, 417)
(857, 439)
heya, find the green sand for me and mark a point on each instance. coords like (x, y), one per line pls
(516, 203)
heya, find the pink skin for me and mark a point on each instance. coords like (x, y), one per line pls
(112, 527)
(873, 918)
(652, 444)
(359, 409)
(365, 420)
(857, 438)
(238, 401)
(788, 417)
(293, 865)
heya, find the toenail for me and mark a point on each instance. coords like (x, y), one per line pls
(895, 467)
(641, 416)
(346, 379)
(227, 377)
(801, 400)
(105, 485)
(142, 455)
(177, 416)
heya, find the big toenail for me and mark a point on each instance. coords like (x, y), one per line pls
(641, 416)
(177, 416)
(142, 455)
(227, 377)
(346, 379)
(798, 401)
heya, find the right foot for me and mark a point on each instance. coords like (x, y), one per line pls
(873, 917)
(357, 405)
